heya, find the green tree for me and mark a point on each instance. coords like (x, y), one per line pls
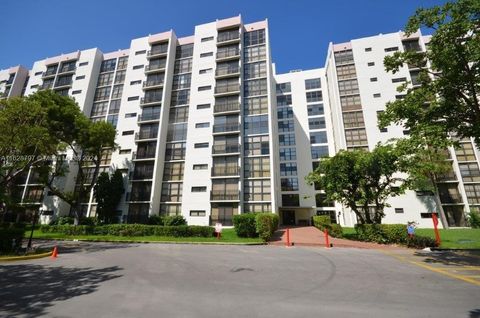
(447, 99)
(108, 193)
(362, 181)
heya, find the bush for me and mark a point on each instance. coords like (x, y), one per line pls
(130, 230)
(63, 220)
(323, 222)
(382, 233)
(156, 220)
(11, 237)
(474, 219)
(245, 225)
(266, 224)
(88, 221)
(421, 242)
(174, 220)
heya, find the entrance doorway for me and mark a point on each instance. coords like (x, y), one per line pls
(288, 217)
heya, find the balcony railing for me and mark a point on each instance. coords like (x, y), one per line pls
(226, 37)
(63, 83)
(146, 135)
(228, 54)
(142, 175)
(220, 108)
(227, 89)
(227, 71)
(46, 85)
(67, 69)
(150, 100)
(150, 116)
(138, 196)
(451, 198)
(156, 52)
(146, 155)
(221, 128)
(225, 195)
(49, 73)
(223, 149)
(225, 171)
(154, 67)
(152, 83)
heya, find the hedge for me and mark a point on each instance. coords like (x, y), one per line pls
(266, 224)
(131, 230)
(11, 237)
(391, 234)
(245, 225)
(323, 222)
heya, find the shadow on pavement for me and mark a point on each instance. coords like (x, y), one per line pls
(277, 236)
(465, 258)
(28, 289)
(475, 313)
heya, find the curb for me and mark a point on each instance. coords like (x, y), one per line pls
(455, 249)
(153, 242)
(26, 257)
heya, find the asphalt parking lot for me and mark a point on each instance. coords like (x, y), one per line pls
(162, 280)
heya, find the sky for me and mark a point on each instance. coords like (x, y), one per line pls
(300, 30)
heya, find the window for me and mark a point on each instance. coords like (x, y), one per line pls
(473, 193)
(171, 192)
(141, 52)
(319, 137)
(286, 140)
(254, 70)
(205, 71)
(284, 100)
(117, 91)
(254, 37)
(256, 105)
(257, 190)
(398, 210)
(184, 51)
(255, 87)
(314, 97)
(287, 154)
(206, 54)
(83, 64)
(469, 172)
(122, 63)
(348, 87)
(136, 82)
(203, 106)
(257, 207)
(312, 83)
(124, 151)
(173, 171)
(120, 77)
(105, 79)
(206, 39)
(316, 123)
(350, 103)
(368, 49)
(183, 66)
(170, 209)
(289, 184)
(319, 152)
(284, 113)
(114, 107)
(356, 137)
(199, 189)
(112, 119)
(371, 63)
(204, 88)
(258, 167)
(343, 57)
(180, 97)
(99, 109)
(128, 132)
(200, 167)
(38, 73)
(283, 88)
(286, 126)
(290, 199)
(256, 125)
(465, 152)
(180, 81)
(201, 145)
(102, 93)
(202, 125)
(346, 71)
(377, 95)
(399, 79)
(178, 115)
(137, 67)
(130, 115)
(391, 49)
(76, 92)
(177, 132)
(353, 119)
(426, 215)
(373, 79)
(256, 53)
(315, 109)
(175, 151)
(288, 169)
(132, 98)
(198, 213)
(80, 77)
(256, 145)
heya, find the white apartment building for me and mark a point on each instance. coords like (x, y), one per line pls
(206, 128)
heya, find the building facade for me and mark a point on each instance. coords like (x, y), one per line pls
(207, 129)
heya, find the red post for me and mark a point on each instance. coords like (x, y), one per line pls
(435, 226)
(327, 241)
(287, 243)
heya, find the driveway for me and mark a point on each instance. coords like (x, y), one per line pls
(157, 280)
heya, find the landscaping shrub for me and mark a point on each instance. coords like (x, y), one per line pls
(474, 219)
(266, 224)
(245, 225)
(88, 221)
(323, 222)
(421, 242)
(63, 220)
(174, 220)
(156, 220)
(130, 230)
(382, 233)
(11, 237)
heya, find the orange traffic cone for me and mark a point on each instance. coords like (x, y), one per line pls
(54, 253)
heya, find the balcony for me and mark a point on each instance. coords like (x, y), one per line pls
(138, 197)
(226, 128)
(226, 108)
(69, 69)
(227, 72)
(46, 86)
(49, 73)
(221, 171)
(148, 135)
(148, 117)
(152, 84)
(154, 68)
(225, 149)
(143, 156)
(228, 55)
(451, 198)
(142, 176)
(144, 101)
(157, 53)
(225, 195)
(63, 84)
(228, 38)
(227, 90)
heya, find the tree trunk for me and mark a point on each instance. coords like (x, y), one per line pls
(441, 212)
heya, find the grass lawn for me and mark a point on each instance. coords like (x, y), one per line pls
(228, 236)
(454, 238)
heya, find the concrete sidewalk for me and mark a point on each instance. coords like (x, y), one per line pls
(311, 236)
